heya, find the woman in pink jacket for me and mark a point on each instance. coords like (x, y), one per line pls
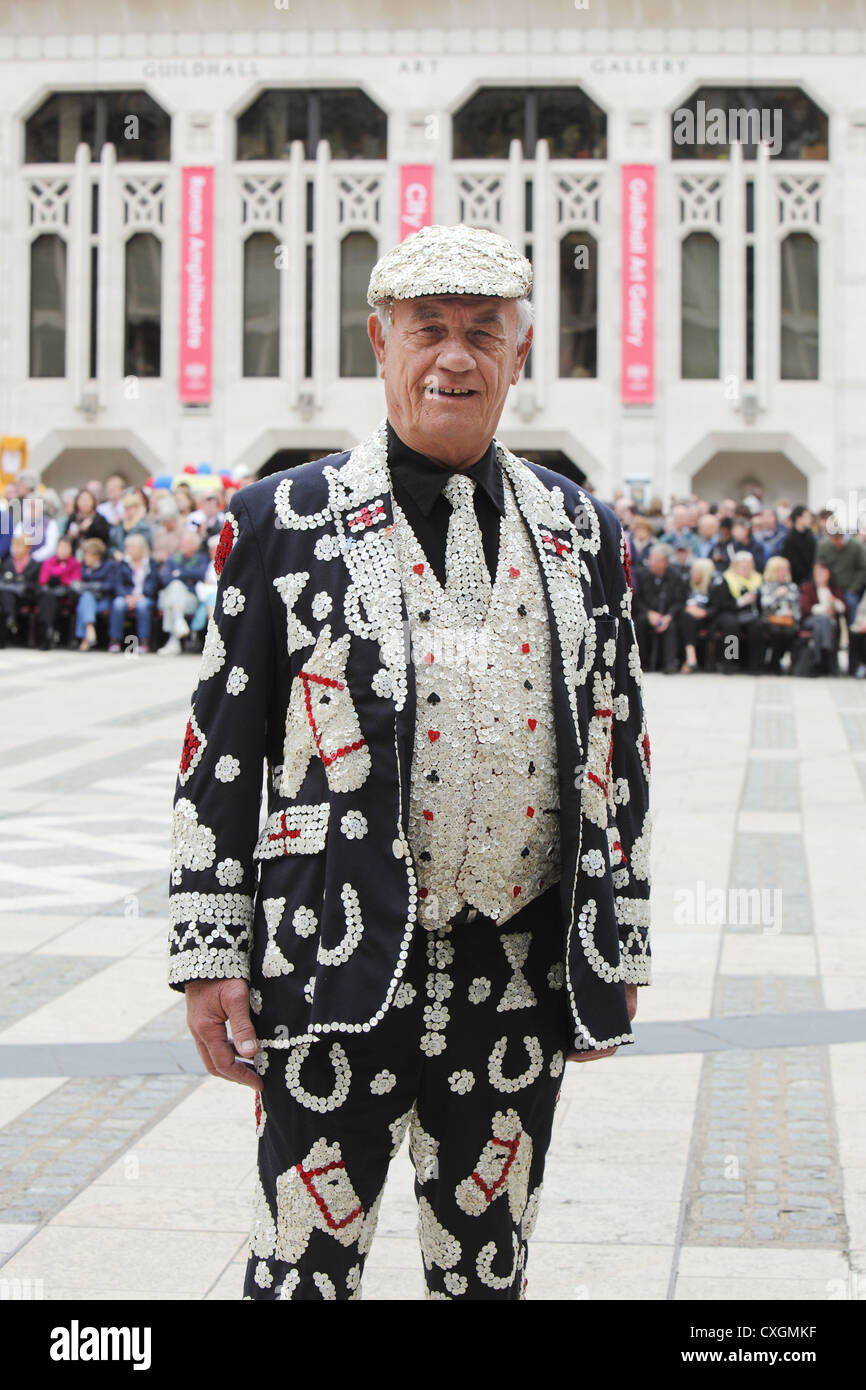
(58, 572)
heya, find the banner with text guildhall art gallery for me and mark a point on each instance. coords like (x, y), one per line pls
(196, 286)
(638, 262)
(416, 198)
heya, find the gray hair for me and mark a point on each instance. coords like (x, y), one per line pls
(525, 316)
(661, 548)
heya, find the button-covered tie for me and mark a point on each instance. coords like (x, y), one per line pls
(467, 579)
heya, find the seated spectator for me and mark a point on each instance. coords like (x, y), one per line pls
(857, 642)
(707, 530)
(799, 545)
(206, 589)
(680, 531)
(97, 590)
(111, 508)
(40, 518)
(693, 615)
(845, 558)
(720, 551)
(742, 539)
(641, 537)
(658, 597)
(177, 599)
(734, 613)
(136, 584)
(780, 610)
(67, 509)
(184, 501)
(133, 522)
(56, 576)
(85, 522)
(681, 561)
(19, 578)
(209, 515)
(768, 532)
(823, 606)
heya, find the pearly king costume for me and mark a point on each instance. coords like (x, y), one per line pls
(449, 890)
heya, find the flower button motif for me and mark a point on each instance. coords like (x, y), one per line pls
(236, 680)
(227, 768)
(461, 1082)
(234, 601)
(382, 1083)
(354, 825)
(229, 872)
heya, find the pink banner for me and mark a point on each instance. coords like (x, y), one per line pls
(196, 287)
(638, 261)
(416, 197)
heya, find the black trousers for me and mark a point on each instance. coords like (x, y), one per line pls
(657, 646)
(469, 1061)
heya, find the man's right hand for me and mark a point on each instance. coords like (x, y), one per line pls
(210, 1004)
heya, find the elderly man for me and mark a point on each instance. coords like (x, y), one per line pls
(659, 595)
(429, 642)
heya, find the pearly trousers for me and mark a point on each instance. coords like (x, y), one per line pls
(469, 1062)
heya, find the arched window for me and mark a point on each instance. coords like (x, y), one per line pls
(358, 255)
(48, 306)
(142, 354)
(352, 123)
(699, 307)
(132, 121)
(573, 125)
(261, 305)
(712, 119)
(578, 305)
(799, 307)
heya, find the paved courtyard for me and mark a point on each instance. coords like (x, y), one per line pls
(722, 1157)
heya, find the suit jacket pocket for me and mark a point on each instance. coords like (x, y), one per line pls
(296, 830)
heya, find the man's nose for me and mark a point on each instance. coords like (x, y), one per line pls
(454, 356)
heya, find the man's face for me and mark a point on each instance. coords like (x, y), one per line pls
(804, 521)
(441, 344)
(657, 563)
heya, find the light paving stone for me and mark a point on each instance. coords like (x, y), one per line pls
(166, 1262)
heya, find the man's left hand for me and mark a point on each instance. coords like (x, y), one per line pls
(631, 1000)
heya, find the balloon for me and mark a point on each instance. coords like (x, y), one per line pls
(148, 482)
(162, 480)
(189, 468)
(204, 468)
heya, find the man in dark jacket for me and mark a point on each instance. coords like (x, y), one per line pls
(429, 642)
(659, 595)
(799, 545)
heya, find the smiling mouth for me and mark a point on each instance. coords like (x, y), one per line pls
(452, 391)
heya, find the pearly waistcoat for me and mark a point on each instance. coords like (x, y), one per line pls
(484, 793)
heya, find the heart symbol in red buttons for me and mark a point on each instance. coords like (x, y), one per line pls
(513, 572)
(422, 892)
(432, 734)
(419, 569)
(516, 890)
(428, 815)
(532, 723)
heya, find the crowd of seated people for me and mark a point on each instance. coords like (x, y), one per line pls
(726, 586)
(109, 566)
(741, 586)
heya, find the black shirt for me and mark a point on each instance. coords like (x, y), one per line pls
(418, 482)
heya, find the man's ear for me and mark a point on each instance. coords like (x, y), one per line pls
(522, 354)
(377, 338)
